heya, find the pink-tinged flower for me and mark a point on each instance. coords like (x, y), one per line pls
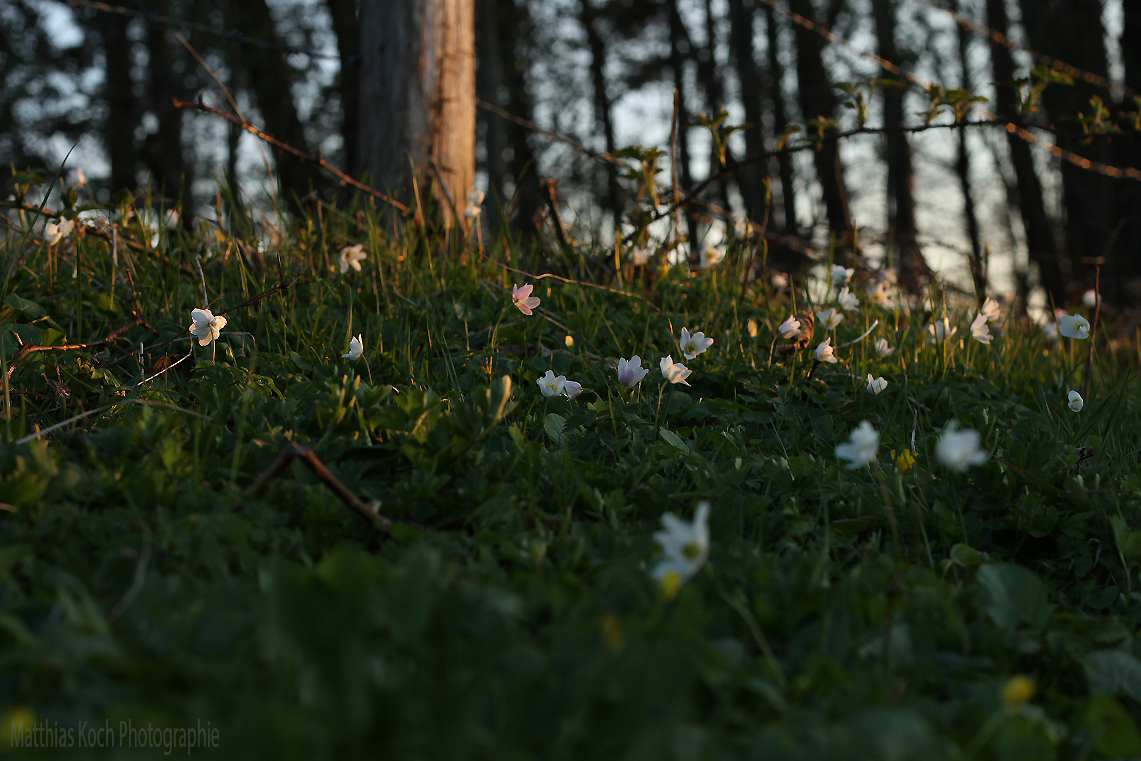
(205, 326)
(848, 300)
(551, 384)
(522, 298)
(861, 447)
(352, 256)
(876, 385)
(356, 346)
(959, 450)
(571, 389)
(979, 330)
(790, 328)
(829, 318)
(630, 371)
(692, 345)
(1073, 326)
(675, 372)
(824, 352)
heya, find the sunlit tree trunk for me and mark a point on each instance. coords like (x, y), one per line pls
(418, 99)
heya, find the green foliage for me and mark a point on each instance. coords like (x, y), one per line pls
(893, 611)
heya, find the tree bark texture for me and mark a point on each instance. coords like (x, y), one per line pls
(418, 99)
(752, 178)
(780, 122)
(1040, 243)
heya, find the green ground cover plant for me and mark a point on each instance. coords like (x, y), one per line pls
(925, 549)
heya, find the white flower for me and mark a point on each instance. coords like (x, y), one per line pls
(685, 546)
(992, 310)
(830, 318)
(692, 345)
(1050, 331)
(571, 389)
(711, 256)
(848, 300)
(876, 385)
(551, 384)
(959, 450)
(674, 372)
(861, 447)
(1089, 298)
(205, 326)
(1076, 402)
(779, 280)
(790, 328)
(979, 330)
(824, 352)
(630, 371)
(940, 330)
(352, 256)
(172, 219)
(639, 256)
(76, 178)
(841, 274)
(474, 204)
(880, 294)
(356, 346)
(521, 297)
(741, 227)
(1073, 326)
(883, 349)
(54, 232)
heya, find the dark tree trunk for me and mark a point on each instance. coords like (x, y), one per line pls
(817, 101)
(418, 98)
(677, 63)
(752, 178)
(122, 113)
(710, 78)
(978, 264)
(270, 80)
(1121, 279)
(603, 107)
(902, 229)
(780, 122)
(343, 14)
(163, 151)
(1071, 30)
(1036, 223)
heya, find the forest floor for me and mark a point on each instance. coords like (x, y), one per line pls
(233, 536)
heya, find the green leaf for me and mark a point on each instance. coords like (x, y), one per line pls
(673, 440)
(1112, 672)
(1010, 595)
(553, 425)
(20, 304)
(1115, 734)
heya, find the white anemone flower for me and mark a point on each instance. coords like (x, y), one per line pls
(54, 232)
(841, 274)
(830, 318)
(1076, 402)
(356, 346)
(979, 330)
(571, 389)
(352, 256)
(790, 328)
(959, 449)
(992, 310)
(551, 384)
(205, 326)
(685, 546)
(692, 345)
(474, 204)
(861, 447)
(883, 348)
(876, 385)
(1073, 326)
(630, 371)
(824, 352)
(674, 372)
(521, 297)
(711, 256)
(848, 301)
(940, 331)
